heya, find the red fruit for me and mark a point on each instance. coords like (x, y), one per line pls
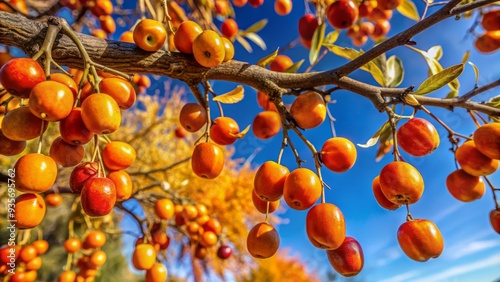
(307, 25)
(495, 220)
(20, 75)
(98, 196)
(348, 259)
(224, 252)
(229, 28)
(418, 137)
(420, 239)
(80, 174)
(255, 3)
(73, 130)
(342, 14)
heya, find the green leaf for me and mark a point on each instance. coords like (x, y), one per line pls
(256, 27)
(476, 71)
(374, 139)
(440, 79)
(465, 58)
(332, 37)
(293, 68)
(257, 40)
(263, 62)
(494, 102)
(436, 52)
(244, 43)
(231, 97)
(409, 10)
(394, 72)
(352, 54)
(317, 41)
(452, 94)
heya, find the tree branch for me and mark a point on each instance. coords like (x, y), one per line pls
(28, 35)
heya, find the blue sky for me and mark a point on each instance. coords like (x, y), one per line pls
(472, 248)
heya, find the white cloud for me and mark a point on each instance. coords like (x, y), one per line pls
(445, 213)
(461, 269)
(473, 247)
(389, 255)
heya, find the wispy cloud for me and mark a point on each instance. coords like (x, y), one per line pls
(473, 247)
(389, 255)
(445, 213)
(402, 277)
(461, 269)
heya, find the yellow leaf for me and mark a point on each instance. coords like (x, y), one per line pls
(231, 97)
(242, 133)
(267, 59)
(409, 10)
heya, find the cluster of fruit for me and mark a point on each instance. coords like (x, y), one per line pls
(87, 254)
(489, 41)
(25, 260)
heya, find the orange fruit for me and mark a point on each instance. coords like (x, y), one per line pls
(144, 256)
(263, 241)
(66, 276)
(51, 100)
(66, 80)
(30, 210)
(283, 7)
(35, 173)
(185, 35)
(325, 226)
(193, 117)
(72, 245)
(101, 114)
(53, 199)
(107, 24)
(224, 130)
(281, 63)
(21, 125)
(388, 4)
(473, 161)
(208, 49)
(380, 197)
(465, 187)
(97, 259)
(302, 189)
(123, 184)
(66, 154)
(487, 140)
(228, 49)
(94, 239)
(118, 155)
(157, 273)
(418, 137)
(308, 110)
(269, 181)
(149, 35)
(266, 124)
(164, 208)
(207, 160)
(208, 239)
(229, 28)
(121, 90)
(261, 205)
(338, 154)
(10, 147)
(41, 246)
(401, 183)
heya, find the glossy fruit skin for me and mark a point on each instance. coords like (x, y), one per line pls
(121, 90)
(208, 49)
(98, 196)
(380, 197)
(35, 173)
(185, 35)
(348, 259)
(487, 140)
(420, 239)
(51, 100)
(66, 154)
(495, 220)
(401, 183)
(465, 187)
(325, 226)
(30, 210)
(53, 199)
(307, 26)
(366, 7)
(207, 160)
(27, 253)
(107, 24)
(143, 257)
(266, 124)
(41, 246)
(223, 130)
(118, 155)
(283, 7)
(281, 63)
(239, 3)
(21, 125)
(338, 154)
(157, 273)
(101, 114)
(228, 49)
(66, 80)
(224, 252)
(302, 189)
(269, 181)
(72, 245)
(94, 239)
(81, 174)
(208, 239)
(213, 225)
(388, 4)
(20, 75)
(73, 129)
(193, 117)
(66, 276)
(342, 14)
(381, 29)
(164, 208)
(149, 35)
(261, 205)
(473, 161)
(491, 20)
(263, 241)
(488, 42)
(418, 137)
(10, 147)
(308, 110)
(255, 3)
(123, 184)
(229, 28)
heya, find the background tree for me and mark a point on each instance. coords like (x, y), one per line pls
(158, 157)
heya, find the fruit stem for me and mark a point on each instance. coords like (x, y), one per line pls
(40, 139)
(96, 147)
(46, 49)
(292, 147)
(493, 190)
(474, 119)
(332, 121)
(69, 261)
(451, 133)
(267, 211)
(392, 122)
(408, 214)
